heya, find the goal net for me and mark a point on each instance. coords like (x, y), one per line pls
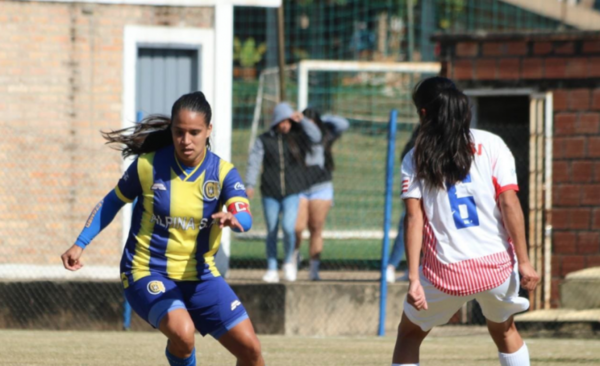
(364, 93)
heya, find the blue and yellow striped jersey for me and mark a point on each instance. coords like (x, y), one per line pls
(172, 232)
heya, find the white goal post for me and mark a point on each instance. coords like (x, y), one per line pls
(306, 66)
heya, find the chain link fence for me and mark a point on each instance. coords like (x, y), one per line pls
(52, 175)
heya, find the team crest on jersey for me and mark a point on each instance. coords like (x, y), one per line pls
(211, 190)
(156, 287)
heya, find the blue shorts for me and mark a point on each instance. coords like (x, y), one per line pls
(212, 304)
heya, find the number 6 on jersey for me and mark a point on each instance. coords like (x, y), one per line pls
(464, 209)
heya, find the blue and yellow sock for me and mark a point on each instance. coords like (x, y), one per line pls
(176, 361)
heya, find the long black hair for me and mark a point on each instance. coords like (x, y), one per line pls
(298, 142)
(443, 149)
(154, 131)
(327, 139)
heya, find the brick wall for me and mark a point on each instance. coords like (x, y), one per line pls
(569, 66)
(60, 84)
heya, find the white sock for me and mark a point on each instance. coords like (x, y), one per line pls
(405, 364)
(519, 358)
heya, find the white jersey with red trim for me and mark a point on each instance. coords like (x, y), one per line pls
(466, 248)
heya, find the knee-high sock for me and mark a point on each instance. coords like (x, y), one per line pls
(519, 358)
(177, 361)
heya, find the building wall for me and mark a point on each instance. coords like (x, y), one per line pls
(61, 81)
(569, 66)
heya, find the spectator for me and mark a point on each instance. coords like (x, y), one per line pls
(316, 201)
(282, 153)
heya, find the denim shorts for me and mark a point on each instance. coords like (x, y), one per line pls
(320, 192)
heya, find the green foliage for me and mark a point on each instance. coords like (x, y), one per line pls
(451, 10)
(247, 53)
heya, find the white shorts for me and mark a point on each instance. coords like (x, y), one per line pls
(497, 304)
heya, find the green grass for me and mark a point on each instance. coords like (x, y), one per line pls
(40, 348)
(349, 249)
(359, 180)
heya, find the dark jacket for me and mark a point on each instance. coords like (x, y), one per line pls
(282, 174)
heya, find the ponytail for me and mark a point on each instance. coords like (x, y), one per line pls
(154, 132)
(443, 148)
(151, 134)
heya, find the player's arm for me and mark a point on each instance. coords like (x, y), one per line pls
(413, 237)
(505, 181)
(102, 215)
(514, 221)
(233, 194)
(413, 231)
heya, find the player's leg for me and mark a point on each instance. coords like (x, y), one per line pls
(159, 301)
(271, 208)
(179, 328)
(301, 223)
(408, 342)
(216, 310)
(288, 223)
(512, 351)
(318, 210)
(416, 324)
(243, 343)
(498, 305)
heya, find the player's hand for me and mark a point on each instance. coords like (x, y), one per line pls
(70, 258)
(297, 117)
(416, 296)
(250, 192)
(529, 277)
(226, 219)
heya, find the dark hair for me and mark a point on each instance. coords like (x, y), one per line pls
(327, 139)
(298, 142)
(154, 131)
(443, 149)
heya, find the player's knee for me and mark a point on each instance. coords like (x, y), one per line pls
(251, 350)
(183, 339)
(410, 334)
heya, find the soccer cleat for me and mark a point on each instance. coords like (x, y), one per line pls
(271, 276)
(390, 274)
(290, 272)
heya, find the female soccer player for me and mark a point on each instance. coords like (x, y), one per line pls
(168, 269)
(316, 201)
(282, 152)
(459, 186)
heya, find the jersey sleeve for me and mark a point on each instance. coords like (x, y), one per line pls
(411, 186)
(102, 215)
(129, 186)
(233, 193)
(504, 173)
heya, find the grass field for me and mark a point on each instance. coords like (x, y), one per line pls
(471, 348)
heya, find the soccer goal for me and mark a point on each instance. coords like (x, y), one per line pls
(364, 93)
